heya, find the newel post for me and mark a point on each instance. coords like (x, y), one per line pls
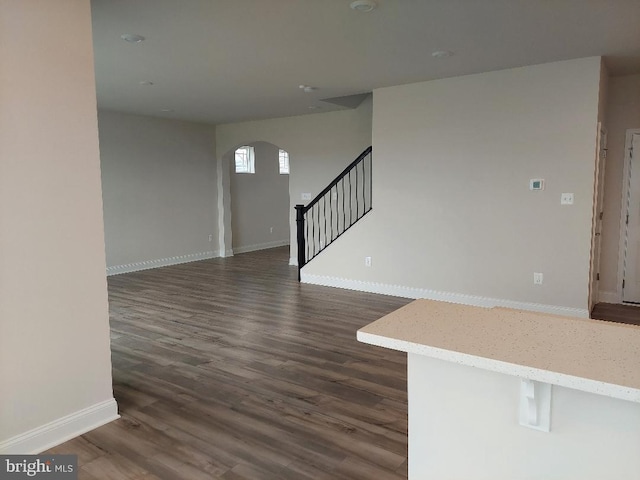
(300, 235)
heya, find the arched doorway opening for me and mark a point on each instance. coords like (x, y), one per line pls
(253, 203)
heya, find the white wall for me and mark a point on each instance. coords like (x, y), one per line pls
(452, 210)
(55, 364)
(320, 146)
(463, 424)
(623, 113)
(259, 202)
(159, 190)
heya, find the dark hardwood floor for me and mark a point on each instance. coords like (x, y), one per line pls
(617, 313)
(231, 369)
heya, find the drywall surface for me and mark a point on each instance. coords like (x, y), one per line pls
(320, 146)
(623, 113)
(54, 326)
(463, 423)
(603, 94)
(260, 202)
(159, 188)
(452, 209)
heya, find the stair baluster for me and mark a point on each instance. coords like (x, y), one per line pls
(344, 202)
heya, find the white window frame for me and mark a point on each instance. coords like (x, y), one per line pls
(245, 159)
(283, 162)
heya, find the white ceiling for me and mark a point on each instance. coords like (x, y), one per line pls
(223, 61)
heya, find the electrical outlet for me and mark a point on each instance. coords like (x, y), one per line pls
(210, 238)
(566, 199)
(367, 261)
(537, 278)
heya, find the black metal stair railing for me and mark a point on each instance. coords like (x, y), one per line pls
(334, 210)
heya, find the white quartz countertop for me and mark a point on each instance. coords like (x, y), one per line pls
(589, 355)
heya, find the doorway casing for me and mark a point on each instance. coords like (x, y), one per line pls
(624, 209)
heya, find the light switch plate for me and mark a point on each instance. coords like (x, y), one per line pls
(306, 196)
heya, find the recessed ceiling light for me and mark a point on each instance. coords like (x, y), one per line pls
(132, 37)
(442, 54)
(363, 5)
(145, 83)
(166, 110)
(314, 107)
(307, 88)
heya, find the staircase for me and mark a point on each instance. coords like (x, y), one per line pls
(334, 210)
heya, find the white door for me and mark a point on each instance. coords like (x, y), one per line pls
(631, 284)
(598, 205)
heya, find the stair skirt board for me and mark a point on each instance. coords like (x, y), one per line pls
(161, 262)
(61, 430)
(260, 246)
(460, 298)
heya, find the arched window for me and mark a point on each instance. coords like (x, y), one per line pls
(245, 160)
(283, 159)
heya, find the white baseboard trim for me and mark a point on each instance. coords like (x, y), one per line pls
(461, 298)
(260, 246)
(608, 297)
(293, 261)
(61, 430)
(161, 262)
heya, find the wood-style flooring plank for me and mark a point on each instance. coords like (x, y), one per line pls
(231, 369)
(612, 312)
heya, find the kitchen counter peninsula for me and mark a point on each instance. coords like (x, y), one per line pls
(497, 393)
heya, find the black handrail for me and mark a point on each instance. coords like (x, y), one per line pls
(335, 181)
(315, 225)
